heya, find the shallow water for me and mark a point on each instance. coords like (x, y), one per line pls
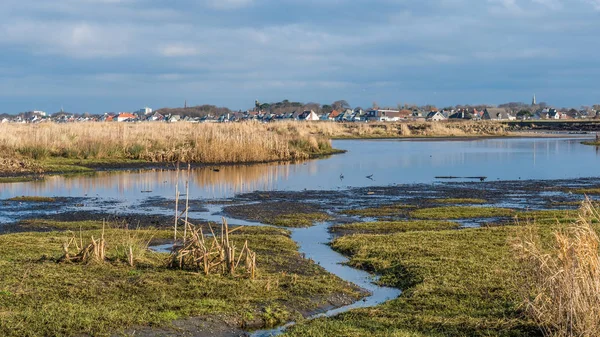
(390, 162)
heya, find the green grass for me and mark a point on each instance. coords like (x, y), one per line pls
(383, 211)
(460, 212)
(456, 283)
(23, 179)
(383, 227)
(548, 216)
(298, 220)
(37, 224)
(459, 201)
(33, 199)
(43, 298)
(589, 191)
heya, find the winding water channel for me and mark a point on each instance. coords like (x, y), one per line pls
(367, 164)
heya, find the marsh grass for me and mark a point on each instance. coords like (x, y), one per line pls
(587, 191)
(39, 297)
(33, 199)
(459, 201)
(560, 283)
(393, 129)
(298, 220)
(460, 212)
(158, 142)
(454, 282)
(381, 211)
(384, 227)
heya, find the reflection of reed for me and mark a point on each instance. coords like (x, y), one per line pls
(204, 182)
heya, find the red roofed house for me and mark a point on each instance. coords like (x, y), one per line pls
(124, 116)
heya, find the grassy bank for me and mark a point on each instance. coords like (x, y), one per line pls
(384, 227)
(456, 283)
(55, 147)
(39, 297)
(394, 129)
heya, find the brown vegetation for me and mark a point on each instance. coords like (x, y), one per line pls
(561, 283)
(394, 130)
(157, 142)
(216, 255)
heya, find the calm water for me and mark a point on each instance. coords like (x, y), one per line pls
(389, 161)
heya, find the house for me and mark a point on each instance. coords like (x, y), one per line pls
(309, 115)
(346, 116)
(435, 116)
(334, 115)
(547, 113)
(126, 117)
(383, 115)
(497, 114)
(174, 118)
(461, 115)
(554, 114)
(4, 120)
(156, 117)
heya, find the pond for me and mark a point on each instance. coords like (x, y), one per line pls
(367, 163)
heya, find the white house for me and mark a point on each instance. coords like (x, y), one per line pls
(4, 120)
(309, 116)
(383, 115)
(435, 116)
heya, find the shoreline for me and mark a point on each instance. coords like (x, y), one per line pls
(81, 167)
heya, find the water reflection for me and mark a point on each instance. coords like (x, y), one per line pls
(389, 161)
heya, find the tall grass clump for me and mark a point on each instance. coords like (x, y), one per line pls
(561, 281)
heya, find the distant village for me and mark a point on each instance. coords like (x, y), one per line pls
(339, 111)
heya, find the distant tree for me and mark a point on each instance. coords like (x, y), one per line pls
(326, 109)
(340, 105)
(375, 105)
(524, 114)
(265, 106)
(543, 105)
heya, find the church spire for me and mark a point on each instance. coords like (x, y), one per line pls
(534, 102)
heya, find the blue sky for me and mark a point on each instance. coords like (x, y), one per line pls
(121, 55)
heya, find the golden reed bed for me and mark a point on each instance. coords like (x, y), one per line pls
(24, 146)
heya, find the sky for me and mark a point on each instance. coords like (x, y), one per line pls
(121, 55)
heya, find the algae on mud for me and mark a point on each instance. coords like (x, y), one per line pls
(40, 297)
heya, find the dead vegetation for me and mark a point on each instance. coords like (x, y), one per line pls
(561, 282)
(124, 245)
(154, 142)
(393, 129)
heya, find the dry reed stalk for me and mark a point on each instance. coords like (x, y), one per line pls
(176, 205)
(561, 284)
(212, 256)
